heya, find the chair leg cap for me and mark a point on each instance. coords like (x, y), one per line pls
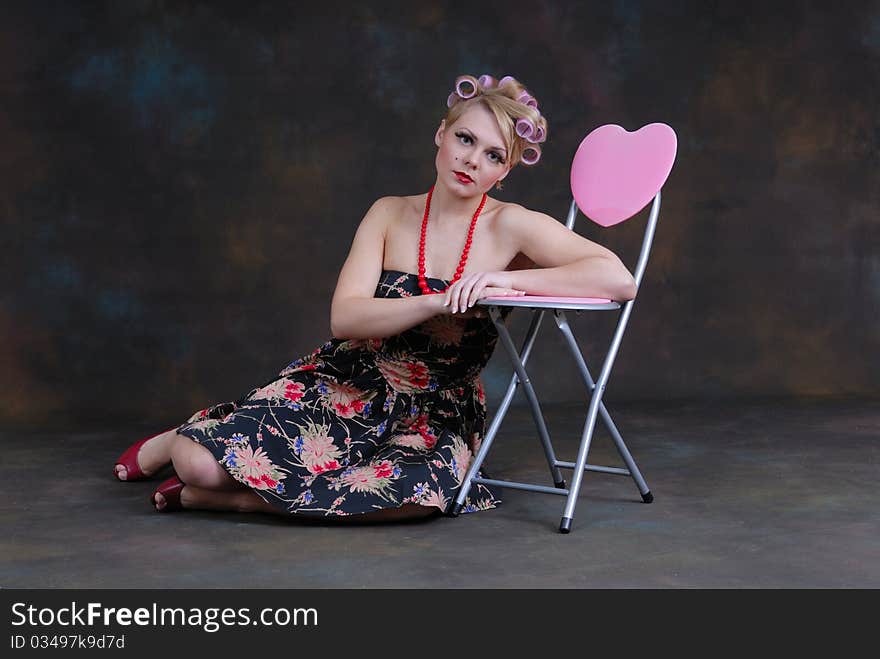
(454, 510)
(560, 484)
(565, 525)
(647, 497)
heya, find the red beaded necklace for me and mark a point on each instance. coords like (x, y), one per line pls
(423, 284)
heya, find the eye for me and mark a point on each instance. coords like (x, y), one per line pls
(497, 160)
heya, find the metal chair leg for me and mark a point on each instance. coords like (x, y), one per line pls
(595, 401)
(626, 456)
(596, 409)
(517, 357)
(531, 397)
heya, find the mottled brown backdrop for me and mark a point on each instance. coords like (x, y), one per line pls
(180, 183)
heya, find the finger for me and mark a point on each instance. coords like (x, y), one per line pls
(477, 292)
(463, 290)
(450, 293)
(480, 290)
(472, 285)
(460, 296)
(459, 299)
(454, 290)
(474, 295)
(466, 290)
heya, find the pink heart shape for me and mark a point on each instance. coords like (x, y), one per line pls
(616, 173)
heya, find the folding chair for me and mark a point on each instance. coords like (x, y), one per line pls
(614, 175)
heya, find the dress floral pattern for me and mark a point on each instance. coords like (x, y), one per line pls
(360, 425)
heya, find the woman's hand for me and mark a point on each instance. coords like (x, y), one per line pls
(464, 293)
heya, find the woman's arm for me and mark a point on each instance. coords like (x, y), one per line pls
(354, 312)
(377, 318)
(568, 263)
(593, 276)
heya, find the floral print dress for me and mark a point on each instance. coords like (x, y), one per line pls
(360, 425)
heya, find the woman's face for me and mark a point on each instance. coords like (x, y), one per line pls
(472, 145)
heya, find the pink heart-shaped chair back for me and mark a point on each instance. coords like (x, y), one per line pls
(616, 173)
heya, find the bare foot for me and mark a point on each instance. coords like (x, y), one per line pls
(152, 456)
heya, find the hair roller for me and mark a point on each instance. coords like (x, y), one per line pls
(527, 99)
(531, 155)
(487, 81)
(540, 135)
(525, 128)
(466, 80)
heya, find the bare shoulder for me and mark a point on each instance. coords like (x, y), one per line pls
(398, 207)
(510, 215)
(389, 204)
(545, 240)
(395, 200)
(520, 223)
(515, 217)
(382, 214)
(412, 201)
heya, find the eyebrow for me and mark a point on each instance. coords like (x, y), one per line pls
(498, 148)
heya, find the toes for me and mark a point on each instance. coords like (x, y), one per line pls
(159, 500)
(121, 472)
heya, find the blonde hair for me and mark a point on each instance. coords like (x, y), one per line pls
(501, 100)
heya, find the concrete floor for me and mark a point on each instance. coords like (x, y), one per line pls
(761, 494)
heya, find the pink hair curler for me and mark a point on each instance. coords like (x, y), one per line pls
(469, 80)
(531, 155)
(527, 99)
(525, 128)
(539, 135)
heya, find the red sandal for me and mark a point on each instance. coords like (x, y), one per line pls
(128, 460)
(171, 490)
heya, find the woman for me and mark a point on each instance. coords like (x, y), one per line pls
(383, 420)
